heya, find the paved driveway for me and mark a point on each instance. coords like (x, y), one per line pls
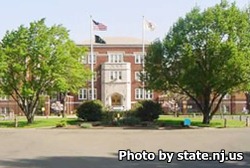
(98, 148)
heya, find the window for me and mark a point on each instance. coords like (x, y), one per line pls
(139, 94)
(138, 76)
(83, 59)
(89, 58)
(95, 76)
(114, 75)
(115, 58)
(90, 94)
(4, 97)
(148, 94)
(82, 95)
(226, 97)
(139, 58)
(5, 110)
(120, 75)
(85, 94)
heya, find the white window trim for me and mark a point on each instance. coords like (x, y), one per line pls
(227, 96)
(5, 110)
(115, 57)
(89, 94)
(139, 58)
(138, 96)
(95, 76)
(115, 75)
(147, 93)
(83, 59)
(85, 94)
(4, 97)
(137, 76)
(81, 94)
(89, 58)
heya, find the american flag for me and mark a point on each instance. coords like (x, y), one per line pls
(99, 26)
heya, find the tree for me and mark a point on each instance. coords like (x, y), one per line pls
(205, 55)
(39, 60)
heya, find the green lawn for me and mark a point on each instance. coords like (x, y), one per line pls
(168, 120)
(38, 123)
(164, 120)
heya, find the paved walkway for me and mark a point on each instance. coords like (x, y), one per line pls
(98, 148)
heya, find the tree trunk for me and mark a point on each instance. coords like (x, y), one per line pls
(206, 106)
(63, 101)
(30, 110)
(206, 118)
(30, 119)
(247, 94)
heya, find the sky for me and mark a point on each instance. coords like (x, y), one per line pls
(122, 17)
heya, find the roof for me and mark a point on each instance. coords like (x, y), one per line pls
(119, 41)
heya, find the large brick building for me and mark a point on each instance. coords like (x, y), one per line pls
(117, 67)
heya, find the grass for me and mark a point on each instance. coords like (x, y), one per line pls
(164, 120)
(38, 122)
(167, 120)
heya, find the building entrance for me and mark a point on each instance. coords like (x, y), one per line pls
(116, 100)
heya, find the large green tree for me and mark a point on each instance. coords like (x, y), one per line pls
(205, 55)
(37, 60)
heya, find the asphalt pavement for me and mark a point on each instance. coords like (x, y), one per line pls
(99, 148)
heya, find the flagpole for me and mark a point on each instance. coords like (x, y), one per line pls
(92, 58)
(143, 54)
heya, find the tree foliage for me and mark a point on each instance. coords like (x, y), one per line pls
(37, 60)
(205, 55)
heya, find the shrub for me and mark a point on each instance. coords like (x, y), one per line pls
(108, 118)
(130, 121)
(111, 117)
(62, 123)
(90, 110)
(148, 111)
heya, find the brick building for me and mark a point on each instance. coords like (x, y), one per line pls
(117, 67)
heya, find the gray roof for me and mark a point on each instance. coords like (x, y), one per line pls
(119, 41)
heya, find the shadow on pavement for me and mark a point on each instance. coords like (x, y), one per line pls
(109, 162)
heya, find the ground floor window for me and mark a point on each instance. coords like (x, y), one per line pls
(148, 94)
(139, 93)
(85, 94)
(82, 94)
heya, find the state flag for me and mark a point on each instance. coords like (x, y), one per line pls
(149, 25)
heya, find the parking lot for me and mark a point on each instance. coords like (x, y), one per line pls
(98, 148)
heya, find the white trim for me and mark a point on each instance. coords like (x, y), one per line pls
(147, 93)
(115, 57)
(139, 95)
(90, 92)
(83, 94)
(4, 97)
(94, 58)
(137, 76)
(115, 75)
(138, 58)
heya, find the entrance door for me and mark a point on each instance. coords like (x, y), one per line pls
(116, 100)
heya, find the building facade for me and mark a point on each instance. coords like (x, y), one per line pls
(117, 68)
